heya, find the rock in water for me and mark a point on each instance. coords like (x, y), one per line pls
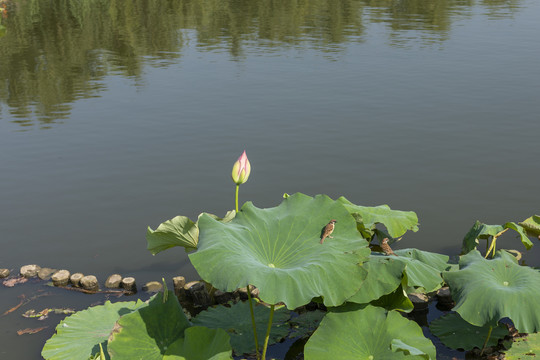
(60, 278)
(30, 271)
(75, 279)
(90, 282)
(113, 281)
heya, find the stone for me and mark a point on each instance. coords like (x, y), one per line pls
(444, 299)
(242, 292)
(90, 282)
(179, 291)
(420, 301)
(30, 271)
(222, 297)
(114, 281)
(196, 292)
(129, 284)
(152, 286)
(75, 279)
(4, 273)
(60, 278)
(45, 273)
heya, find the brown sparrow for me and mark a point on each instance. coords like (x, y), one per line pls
(386, 248)
(328, 229)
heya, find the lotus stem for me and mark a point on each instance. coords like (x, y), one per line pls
(494, 242)
(270, 319)
(487, 339)
(253, 321)
(236, 198)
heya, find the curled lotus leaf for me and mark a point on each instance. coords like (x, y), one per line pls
(179, 231)
(368, 333)
(532, 225)
(486, 291)
(397, 222)
(279, 251)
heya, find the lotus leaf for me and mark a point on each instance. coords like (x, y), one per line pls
(368, 333)
(484, 231)
(396, 300)
(524, 348)
(154, 329)
(78, 336)
(179, 231)
(306, 323)
(397, 222)
(478, 231)
(200, 343)
(236, 321)
(384, 275)
(487, 290)
(278, 250)
(532, 225)
(456, 333)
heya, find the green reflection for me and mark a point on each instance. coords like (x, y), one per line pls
(53, 52)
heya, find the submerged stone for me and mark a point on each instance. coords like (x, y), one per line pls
(45, 273)
(152, 286)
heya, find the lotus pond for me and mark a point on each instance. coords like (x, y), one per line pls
(362, 285)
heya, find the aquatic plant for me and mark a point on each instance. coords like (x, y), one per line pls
(277, 250)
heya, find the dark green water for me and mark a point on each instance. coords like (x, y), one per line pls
(118, 115)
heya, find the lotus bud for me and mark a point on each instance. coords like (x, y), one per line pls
(241, 169)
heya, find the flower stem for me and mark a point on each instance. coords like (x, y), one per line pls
(270, 319)
(253, 322)
(487, 339)
(493, 243)
(236, 198)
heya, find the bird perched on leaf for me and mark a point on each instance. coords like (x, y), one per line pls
(386, 248)
(328, 229)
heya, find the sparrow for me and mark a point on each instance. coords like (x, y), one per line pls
(386, 248)
(328, 229)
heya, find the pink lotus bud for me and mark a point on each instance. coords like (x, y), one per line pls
(241, 169)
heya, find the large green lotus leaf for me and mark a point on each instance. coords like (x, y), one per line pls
(524, 348)
(278, 250)
(456, 333)
(78, 336)
(368, 333)
(397, 222)
(200, 343)
(488, 290)
(383, 277)
(148, 332)
(179, 231)
(236, 321)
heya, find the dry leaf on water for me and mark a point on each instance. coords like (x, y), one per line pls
(14, 281)
(30, 331)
